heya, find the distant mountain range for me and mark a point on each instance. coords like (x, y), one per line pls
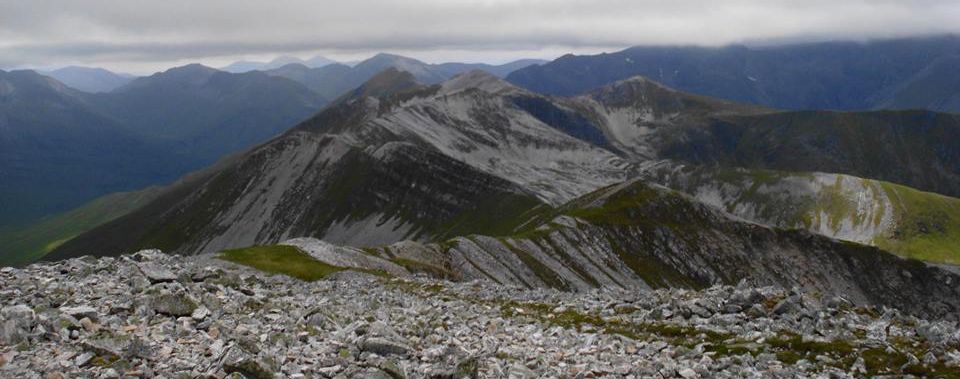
(914, 73)
(89, 79)
(247, 66)
(335, 79)
(61, 147)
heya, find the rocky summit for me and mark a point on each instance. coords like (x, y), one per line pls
(156, 315)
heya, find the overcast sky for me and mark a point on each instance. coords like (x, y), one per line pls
(144, 36)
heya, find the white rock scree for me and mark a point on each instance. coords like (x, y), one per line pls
(154, 315)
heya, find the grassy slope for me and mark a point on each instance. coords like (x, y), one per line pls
(27, 244)
(278, 259)
(928, 225)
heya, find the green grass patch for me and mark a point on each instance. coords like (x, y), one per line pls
(278, 259)
(928, 225)
(24, 245)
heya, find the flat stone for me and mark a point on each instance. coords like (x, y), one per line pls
(82, 359)
(384, 347)
(89, 325)
(156, 273)
(81, 312)
(688, 373)
(200, 313)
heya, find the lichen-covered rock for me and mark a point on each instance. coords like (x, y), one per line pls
(383, 346)
(250, 367)
(176, 304)
(16, 324)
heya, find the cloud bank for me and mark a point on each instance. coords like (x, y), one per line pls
(143, 35)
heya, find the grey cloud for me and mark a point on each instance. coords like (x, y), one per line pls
(120, 31)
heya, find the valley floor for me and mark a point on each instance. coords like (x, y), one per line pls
(150, 314)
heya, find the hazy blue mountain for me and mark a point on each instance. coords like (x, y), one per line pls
(935, 87)
(89, 79)
(329, 81)
(247, 66)
(60, 147)
(499, 70)
(209, 112)
(281, 61)
(242, 66)
(899, 73)
(57, 150)
(318, 61)
(335, 79)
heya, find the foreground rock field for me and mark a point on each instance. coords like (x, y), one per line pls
(153, 315)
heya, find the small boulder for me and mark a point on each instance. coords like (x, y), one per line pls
(238, 362)
(118, 346)
(89, 325)
(81, 312)
(791, 304)
(16, 322)
(173, 304)
(156, 273)
(200, 313)
(384, 347)
(688, 373)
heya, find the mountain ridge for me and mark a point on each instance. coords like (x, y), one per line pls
(828, 75)
(89, 79)
(539, 146)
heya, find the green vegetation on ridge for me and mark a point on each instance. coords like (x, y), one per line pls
(928, 225)
(279, 259)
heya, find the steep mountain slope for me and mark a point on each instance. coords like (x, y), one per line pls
(902, 220)
(334, 80)
(89, 79)
(342, 176)
(635, 235)
(642, 120)
(934, 87)
(646, 120)
(833, 75)
(919, 149)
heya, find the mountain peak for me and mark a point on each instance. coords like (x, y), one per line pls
(642, 92)
(392, 57)
(387, 82)
(191, 74)
(478, 79)
(32, 82)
